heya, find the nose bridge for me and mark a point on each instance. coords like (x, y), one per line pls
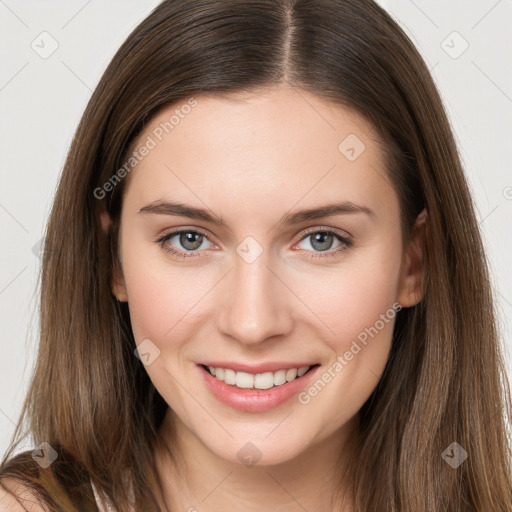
(256, 305)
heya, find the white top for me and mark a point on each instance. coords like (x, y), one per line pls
(102, 508)
(103, 502)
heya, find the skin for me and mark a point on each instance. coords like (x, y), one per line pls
(251, 160)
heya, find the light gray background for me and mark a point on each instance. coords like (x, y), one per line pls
(42, 99)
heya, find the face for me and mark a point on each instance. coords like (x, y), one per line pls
(219, 268)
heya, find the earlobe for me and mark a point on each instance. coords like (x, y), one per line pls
(411, 286)
(119, 289)
(105, 221)
(117, 285)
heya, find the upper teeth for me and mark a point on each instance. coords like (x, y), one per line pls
(258, 381)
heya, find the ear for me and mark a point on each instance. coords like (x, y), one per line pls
(411, 285)
(118, 285)
(106, 221)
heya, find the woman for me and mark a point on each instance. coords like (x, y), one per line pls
(263, 284)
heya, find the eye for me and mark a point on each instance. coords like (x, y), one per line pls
(189, 239)
(321, 241)
(192, 241)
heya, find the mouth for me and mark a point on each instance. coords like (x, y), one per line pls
(258, 381)
(248, 391)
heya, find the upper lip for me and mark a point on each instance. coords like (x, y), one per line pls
(255, 368)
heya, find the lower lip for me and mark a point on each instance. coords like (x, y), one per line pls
(255, 400)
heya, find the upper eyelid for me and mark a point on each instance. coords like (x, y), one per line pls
(340, 232)
(172, 233)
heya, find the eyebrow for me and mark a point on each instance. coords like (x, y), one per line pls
(328, 210)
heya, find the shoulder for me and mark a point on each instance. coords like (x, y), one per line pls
(27, 486)
(17, 497)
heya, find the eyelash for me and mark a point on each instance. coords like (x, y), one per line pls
(322, 254)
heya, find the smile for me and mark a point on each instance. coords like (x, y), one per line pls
(267, 380)
(260, 390)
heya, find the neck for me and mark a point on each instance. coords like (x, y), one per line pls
(197, 480)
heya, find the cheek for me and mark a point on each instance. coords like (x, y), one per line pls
(162, 299)
(356, 305)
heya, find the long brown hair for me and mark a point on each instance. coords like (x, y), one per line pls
(445, 381)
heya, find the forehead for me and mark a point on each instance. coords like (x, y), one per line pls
(265, 149)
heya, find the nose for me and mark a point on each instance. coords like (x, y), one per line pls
(257, 303)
